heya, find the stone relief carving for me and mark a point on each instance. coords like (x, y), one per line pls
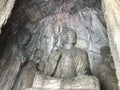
(68, 61)
(106, 70)
(91, 34)
(37, 40)
(67, 67)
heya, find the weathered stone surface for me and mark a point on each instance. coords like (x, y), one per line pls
(31, 34)
(106, 71)
(76, 83)
(9, 73)
(5, 11)
(32, 37)
(9, 67)
(107, 77)
(91, 34)
(65, 67)
(111, 10)
(68, 60)
(72, 62)
(25, 76)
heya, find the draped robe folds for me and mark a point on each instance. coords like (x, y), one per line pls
(71, 63)
(67, 71)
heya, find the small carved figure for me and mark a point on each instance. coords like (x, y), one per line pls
(106, 70)
(41, 66)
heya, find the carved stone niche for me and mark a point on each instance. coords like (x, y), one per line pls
(44, 35)
(91, 34)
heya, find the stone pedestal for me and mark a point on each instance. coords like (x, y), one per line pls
(76, 83)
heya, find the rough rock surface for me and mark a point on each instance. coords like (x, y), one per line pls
(44, 35)
(25, 77)
(90, 32)
(107, 77)
(75, 83)
(9, 73)
(5, 10)
(24, 26)
(30, 34)
(112, 17)
(106, 71)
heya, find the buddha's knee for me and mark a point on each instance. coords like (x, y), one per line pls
(81, 82)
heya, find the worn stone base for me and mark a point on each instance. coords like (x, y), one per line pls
(54, 89)
(111, 10)
(85, 82)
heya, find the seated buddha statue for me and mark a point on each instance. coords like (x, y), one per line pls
(67, 68)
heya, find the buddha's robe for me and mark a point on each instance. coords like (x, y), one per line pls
(66, 70)
(71, 63)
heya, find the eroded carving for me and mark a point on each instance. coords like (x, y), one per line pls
(68, 61)
(106, 72)
(67, 64)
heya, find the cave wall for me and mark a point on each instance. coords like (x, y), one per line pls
(88, 24)
(32, 21)
(5, 11)
(111, 10)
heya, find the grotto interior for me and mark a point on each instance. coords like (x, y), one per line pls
(56, 45)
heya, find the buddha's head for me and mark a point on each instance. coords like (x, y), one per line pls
(69, 36)
(105, 52)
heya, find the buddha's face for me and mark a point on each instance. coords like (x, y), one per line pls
(70, 37)
(105, 52)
